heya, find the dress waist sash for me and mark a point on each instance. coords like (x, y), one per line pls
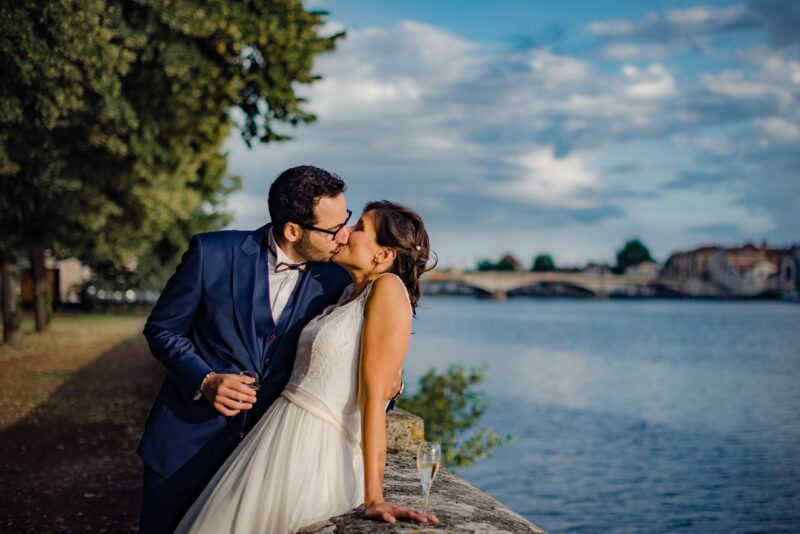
(308, 402)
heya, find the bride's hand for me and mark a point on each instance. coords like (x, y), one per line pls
(390, 513)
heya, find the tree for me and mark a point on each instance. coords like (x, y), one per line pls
(52, 56)
(485, 265)
(113, 114)
(543, 263)
(506, 263)
(633, 253)
(11, 313)
(451, 408)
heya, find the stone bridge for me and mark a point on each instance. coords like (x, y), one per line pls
(498, 284)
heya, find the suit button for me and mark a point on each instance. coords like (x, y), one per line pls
(266, 361)
(273, 337)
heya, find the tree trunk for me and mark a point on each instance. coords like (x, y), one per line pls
(41, 291)
(11, 315)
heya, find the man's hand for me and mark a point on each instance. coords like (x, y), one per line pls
(390, 513)
(397, 384)
(229, 394)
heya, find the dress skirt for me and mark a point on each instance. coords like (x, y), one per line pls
(296, 467)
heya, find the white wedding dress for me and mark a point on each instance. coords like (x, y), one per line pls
(302, 462)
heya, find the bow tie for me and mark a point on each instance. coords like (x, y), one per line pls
(282, 267)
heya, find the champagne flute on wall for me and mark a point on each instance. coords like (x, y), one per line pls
(429, 459)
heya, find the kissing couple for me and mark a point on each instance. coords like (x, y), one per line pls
(283, 348)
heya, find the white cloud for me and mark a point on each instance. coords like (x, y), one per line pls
(251, 210)
(480, 138)
(677, 26)
(629, 51)
(546, 179)
(703, 19)
(557, 70)
(615, 28)
(779, 129)
(736, 85)
(780, 67)
(653, 82)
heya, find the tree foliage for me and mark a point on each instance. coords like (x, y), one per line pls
(451, 407)
(633, 253)
(501, 265)
(113, 114)
(543, 263)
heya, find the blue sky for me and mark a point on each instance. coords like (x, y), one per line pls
(558, 127)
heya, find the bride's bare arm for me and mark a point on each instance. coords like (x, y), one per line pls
(384, 341)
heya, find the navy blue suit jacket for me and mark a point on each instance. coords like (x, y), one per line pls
(214, 315)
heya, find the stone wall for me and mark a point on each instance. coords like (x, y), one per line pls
(459, 506)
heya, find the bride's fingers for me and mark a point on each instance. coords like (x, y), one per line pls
(410, 513)
(389, 518)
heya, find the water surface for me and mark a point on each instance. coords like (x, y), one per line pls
(632, 416)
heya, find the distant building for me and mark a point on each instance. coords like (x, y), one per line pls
(597, 268)
(790, 274)
(737, 271)
(646, 269)
(64, 280)
(692, 264)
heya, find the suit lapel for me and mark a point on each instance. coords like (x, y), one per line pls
(310, 288)
(245, 271)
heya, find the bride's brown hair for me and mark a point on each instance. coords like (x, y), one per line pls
(402, 229)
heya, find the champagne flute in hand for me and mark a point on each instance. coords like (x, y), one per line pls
(429, 458)
(252, 374)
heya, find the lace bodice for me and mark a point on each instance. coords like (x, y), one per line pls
(326, 366)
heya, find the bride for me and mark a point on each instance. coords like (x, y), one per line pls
(320, 449)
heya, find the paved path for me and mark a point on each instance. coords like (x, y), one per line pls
(70, 464)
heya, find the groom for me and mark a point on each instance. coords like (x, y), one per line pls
(237, 302)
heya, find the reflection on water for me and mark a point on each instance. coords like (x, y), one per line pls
(641, 416)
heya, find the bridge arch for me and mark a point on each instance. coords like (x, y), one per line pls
(555, 288)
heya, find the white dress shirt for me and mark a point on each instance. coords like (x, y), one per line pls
(281, 284)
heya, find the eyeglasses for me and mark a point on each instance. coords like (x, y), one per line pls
(331, 232)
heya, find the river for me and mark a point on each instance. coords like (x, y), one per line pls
(631, 416)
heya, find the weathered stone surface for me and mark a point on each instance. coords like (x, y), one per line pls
(404, 431)
(459, 506)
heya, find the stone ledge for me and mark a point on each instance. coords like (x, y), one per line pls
(459, 506)
(404, 431)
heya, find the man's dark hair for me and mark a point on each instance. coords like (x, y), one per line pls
(293, 195)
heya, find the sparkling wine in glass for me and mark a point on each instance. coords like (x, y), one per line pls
(429, 458)
(255, 386)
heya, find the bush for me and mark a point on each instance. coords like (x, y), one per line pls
(451, 408)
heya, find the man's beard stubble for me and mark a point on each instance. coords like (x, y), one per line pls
(312, 253)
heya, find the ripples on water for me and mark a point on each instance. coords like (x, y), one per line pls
(632, 416)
